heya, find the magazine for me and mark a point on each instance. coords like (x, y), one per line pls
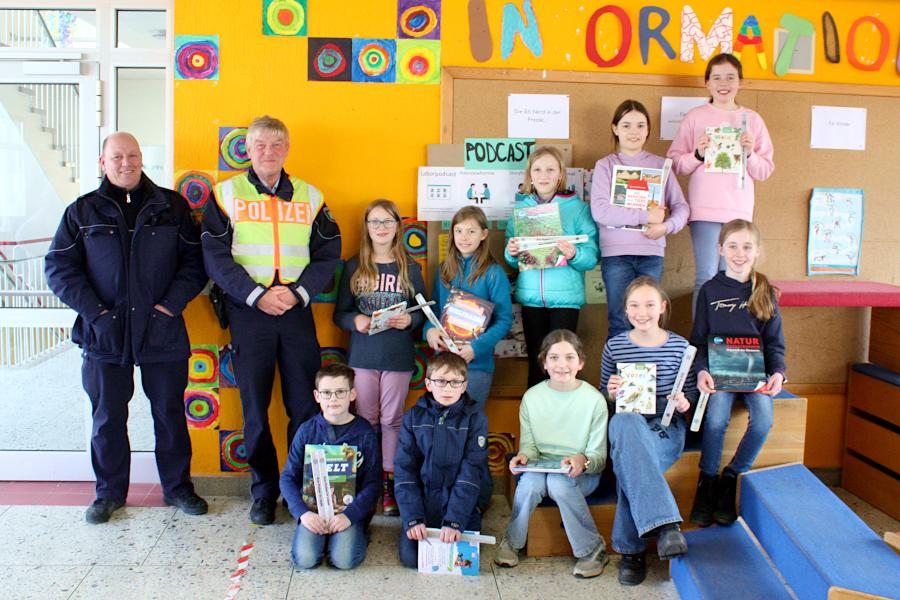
(737, 363)
(381, 317)
(636, 187)
(724, 154)
(460, 558)
(538, 221)
(542, 465)
(341, 466)
(465, 316)
(638, 390)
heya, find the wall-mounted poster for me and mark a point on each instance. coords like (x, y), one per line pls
(835, 231)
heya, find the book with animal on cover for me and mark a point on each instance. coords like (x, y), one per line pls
(724, 153)
(638, 390)
(341, 465)
(542, 220)
(737, 363)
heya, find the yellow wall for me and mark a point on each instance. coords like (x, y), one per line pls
(359, 141)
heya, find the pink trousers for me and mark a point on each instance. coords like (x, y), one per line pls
(380, 398)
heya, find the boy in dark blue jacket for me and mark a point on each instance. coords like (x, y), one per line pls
(345, 533)
(440, 458)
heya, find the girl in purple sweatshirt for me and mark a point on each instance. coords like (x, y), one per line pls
(717, 198)
(632, 240)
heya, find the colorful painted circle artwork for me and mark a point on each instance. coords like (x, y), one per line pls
(233, 455)
(196, 187)
(418, 61)
(333, 354)
(226, 368)
(423, 352)
(201, 408)
(203, 366)
(329, 61)
(284, 17)
(233, 149)
(196, 57)
(374, 59)
(414, 238)
(418, 21)
(499, 445)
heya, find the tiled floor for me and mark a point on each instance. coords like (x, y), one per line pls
(145, 552)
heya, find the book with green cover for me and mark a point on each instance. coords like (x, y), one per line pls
(539, 221)
(341, 463)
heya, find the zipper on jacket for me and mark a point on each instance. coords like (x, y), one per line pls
(543, 301)
(443, 416)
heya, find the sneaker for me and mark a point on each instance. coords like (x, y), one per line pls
(190, 504)
(670, 542)
(263, 511)
(592, 564)
(726, 511)
(704, 500)
(388, 501)
(507, 556)
(633, 569)
(101, 510)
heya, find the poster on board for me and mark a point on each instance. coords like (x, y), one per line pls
(835, 231)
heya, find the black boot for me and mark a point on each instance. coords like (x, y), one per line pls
(670, 542)
(726, 510)
(633, 569)
(704, 500)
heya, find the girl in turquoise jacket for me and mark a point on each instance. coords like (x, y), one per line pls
(552, 298)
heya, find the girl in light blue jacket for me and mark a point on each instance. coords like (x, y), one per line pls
(551, 298)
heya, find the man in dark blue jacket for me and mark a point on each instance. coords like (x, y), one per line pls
(440, 459)
(127, 259)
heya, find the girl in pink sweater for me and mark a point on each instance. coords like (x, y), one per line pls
(716, 198)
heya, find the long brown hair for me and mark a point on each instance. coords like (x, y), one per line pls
(483, 258)
(365, 278)
(647, 281)
(538, 153)
(764, 295)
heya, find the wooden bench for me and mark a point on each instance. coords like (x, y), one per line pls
(546, 536)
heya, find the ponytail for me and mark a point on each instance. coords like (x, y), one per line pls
(763, 297)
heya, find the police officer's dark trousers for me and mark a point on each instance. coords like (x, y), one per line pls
(260, 341)
(110, 387)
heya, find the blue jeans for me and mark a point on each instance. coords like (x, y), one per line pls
(715, 422)
(642, 450)
(707, 261)
(568, 493)
(618, 272)
(346, 549)
(479, 386)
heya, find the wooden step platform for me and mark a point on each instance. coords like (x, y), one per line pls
(546, 536)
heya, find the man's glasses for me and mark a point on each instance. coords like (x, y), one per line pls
(442, 383)
(382, 223)
(327, 394)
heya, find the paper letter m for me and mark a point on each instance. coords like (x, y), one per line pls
(720, 34)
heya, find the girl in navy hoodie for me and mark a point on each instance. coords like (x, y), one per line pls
(737, 301)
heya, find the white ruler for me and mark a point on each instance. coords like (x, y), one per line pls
(323, 487)
(742, 176)
(698, 412)
(473, 538)
(429, 314)
(686, 361)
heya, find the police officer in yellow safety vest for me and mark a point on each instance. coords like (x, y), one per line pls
(271, 244)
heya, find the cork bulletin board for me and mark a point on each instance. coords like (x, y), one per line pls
(474, 103)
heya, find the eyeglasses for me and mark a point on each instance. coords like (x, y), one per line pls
(327, 394)
(442, 383)
(379, 223)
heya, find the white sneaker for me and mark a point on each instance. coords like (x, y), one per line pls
(592, 564)
(507, 556)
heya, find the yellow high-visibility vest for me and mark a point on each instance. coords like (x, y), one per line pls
(270, 234)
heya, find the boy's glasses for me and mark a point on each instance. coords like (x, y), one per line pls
(327, 394)
(442, 383)
(382, 223)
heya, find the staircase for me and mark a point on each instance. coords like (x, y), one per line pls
(795, 538)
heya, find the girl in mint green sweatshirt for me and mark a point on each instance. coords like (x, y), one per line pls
(563, 428)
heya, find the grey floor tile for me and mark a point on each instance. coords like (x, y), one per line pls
(3, 509)
(181, 583)
(58, 535)
(539, 579)
(382, 551)
(874, 518)
(215, 539)
(373, 583)
(45, 583)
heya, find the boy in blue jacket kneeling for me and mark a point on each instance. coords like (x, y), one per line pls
(440, 458)
(344, 534)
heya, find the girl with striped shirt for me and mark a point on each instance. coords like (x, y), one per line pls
(641, 448)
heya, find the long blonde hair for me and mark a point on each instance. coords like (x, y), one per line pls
(764, 295)
(365, 278)
(452, 264)
(538, 153)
